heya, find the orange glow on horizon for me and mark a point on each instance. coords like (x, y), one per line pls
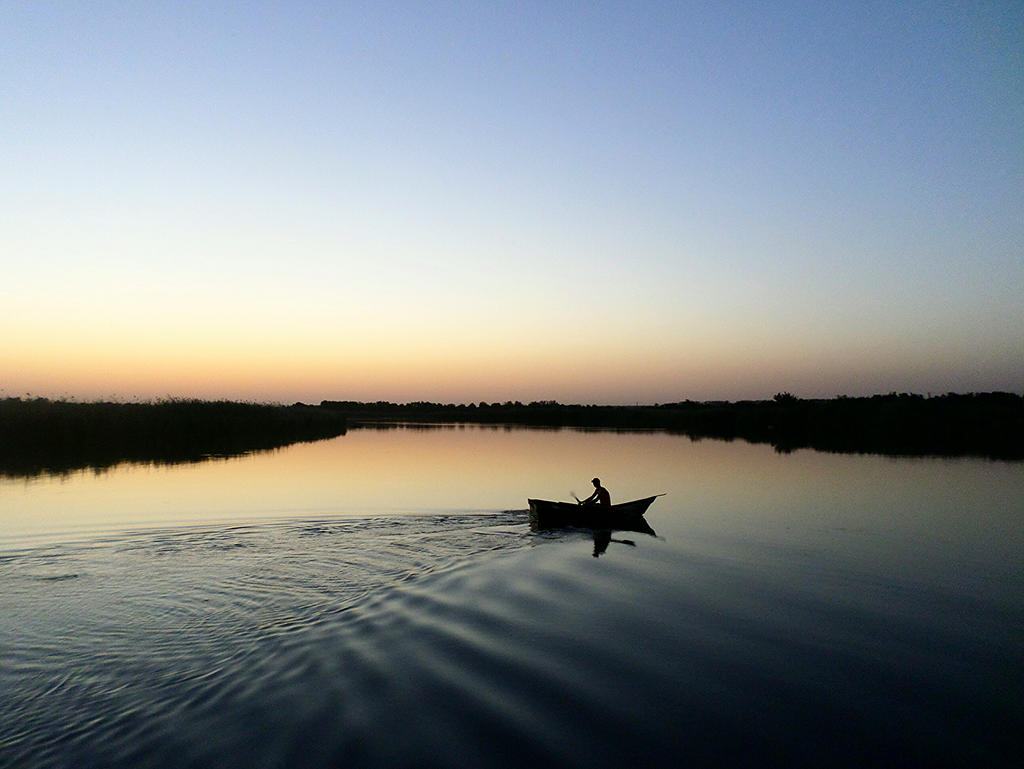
(443, 362)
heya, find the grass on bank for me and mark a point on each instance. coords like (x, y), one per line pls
(41, 435)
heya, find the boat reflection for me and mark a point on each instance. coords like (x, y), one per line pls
(602, 538)
(600, 519)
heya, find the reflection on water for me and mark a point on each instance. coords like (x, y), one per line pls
(893, 511)
(379, 598)
(603, 538)
(710, 483)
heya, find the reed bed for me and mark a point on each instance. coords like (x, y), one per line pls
(41, 435)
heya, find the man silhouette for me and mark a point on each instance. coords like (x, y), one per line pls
(600, 495)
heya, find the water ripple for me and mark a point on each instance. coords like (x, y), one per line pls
(465, 641)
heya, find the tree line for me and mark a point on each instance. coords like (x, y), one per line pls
(973, 424)
(41, 435)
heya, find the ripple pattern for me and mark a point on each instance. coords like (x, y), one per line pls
(466, 641)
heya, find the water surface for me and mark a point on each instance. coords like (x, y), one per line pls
(378, 600)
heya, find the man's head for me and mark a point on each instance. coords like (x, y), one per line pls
(596, 482)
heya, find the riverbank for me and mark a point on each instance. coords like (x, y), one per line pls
(39, 435)
(974, 424)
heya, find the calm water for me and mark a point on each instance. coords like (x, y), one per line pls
(378, 600)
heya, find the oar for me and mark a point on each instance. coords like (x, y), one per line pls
(573, 493)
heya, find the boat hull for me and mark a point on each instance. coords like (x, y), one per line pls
(628, 516)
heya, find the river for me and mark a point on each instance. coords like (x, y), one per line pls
(378, 600)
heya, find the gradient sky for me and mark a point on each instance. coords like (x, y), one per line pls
(460, 201)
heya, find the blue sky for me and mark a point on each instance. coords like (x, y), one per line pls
(460, 201)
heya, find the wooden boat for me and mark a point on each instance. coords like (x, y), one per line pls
(628, 516)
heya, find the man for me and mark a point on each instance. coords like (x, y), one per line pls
(600, 495)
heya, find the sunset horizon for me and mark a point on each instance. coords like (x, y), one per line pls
(611, 204)
(490, 385)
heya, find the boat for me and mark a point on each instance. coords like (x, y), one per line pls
(627, 516)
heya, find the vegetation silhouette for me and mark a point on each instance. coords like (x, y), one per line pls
(44, 436)
(905, 424)
(38, 435)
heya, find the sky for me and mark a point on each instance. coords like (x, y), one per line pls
(623, 202)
